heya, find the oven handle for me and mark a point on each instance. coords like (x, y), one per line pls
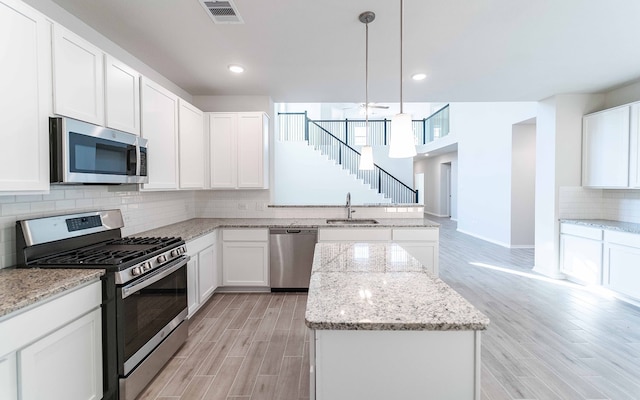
(155, 276)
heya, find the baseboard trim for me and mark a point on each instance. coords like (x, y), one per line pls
(436, 215)
(484, 238)
(522, 246)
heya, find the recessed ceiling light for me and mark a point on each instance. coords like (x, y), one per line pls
(426, 154)
(237, 69)
(418, 77)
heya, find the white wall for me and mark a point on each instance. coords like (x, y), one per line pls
(304, 176)
(558, 155)
(523, 185)
(234, 104)
(484, 132)
(431, 167)
(623, 95)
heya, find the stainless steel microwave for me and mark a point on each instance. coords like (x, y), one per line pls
(86, 153)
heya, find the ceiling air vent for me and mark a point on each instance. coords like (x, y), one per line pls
(222, 12)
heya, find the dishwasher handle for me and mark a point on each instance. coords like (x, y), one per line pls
(294, 231)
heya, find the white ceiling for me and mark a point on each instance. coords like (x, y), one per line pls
(313, 51)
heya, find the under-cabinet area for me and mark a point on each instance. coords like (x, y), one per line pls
(599, 252)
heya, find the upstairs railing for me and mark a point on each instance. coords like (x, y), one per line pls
(425, 130)
(297, 127)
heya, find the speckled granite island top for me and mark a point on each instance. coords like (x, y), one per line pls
(22, 287)
(606, 224)
(193, 228)
(363, 286)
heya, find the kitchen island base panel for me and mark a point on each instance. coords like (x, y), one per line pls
(382, 365)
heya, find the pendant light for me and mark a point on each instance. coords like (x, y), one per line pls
(402, 143)
(366, 152)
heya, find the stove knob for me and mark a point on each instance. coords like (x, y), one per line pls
(175, 253)
(145, 266)
(162, 258)
(136, 271)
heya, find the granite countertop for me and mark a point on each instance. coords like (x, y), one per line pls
(23, 287)
(193, 228)
(606, 224)
(362, 286)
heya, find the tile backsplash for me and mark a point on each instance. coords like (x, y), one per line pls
(148, 210)
(141, 210)
(582, 203)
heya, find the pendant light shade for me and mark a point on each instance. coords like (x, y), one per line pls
(366, 158)
(402, 143)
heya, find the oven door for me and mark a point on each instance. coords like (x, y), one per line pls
(149, 309)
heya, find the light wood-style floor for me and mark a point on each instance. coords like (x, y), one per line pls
(547, 339)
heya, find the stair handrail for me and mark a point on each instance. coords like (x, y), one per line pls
(358, 153)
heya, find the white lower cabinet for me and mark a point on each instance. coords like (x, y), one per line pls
(581, 253)
(66, 364)
(421, 243)
(9, 377)
(622, 263)
(202, 271)
(245, 257)
(53, 351)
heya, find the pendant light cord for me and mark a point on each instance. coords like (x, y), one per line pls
(366, 84)
(401, 33)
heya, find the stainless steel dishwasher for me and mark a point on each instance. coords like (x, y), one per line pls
(291, 257)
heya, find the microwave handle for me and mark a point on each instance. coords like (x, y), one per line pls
(137, 159)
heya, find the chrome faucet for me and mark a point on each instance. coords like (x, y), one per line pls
(349, 210)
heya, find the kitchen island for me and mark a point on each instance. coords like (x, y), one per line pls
(384, 327)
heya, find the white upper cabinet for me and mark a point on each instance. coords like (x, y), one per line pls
(78, 79)
(239, 151)
(253, 156)
(634, 147)
(24, 98)
(122, 96)
(222, 151)
(159, 116)
(605, 148)
(191, 145)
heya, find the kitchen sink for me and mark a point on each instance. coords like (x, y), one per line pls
(351, 221)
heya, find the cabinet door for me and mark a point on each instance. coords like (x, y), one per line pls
(78, 77)
(425, 252)
(634, 147)
(581, 259)
(9, 377)
(245, 264)
(207, 275)
(622, 266)
(159, 120)
(252, 150)
(122, 96)
(605, 146)
(222, 150)
(24, 98)
(192, 285)
(191, 138)
(66, 364)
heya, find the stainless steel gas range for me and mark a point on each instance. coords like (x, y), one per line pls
(144, 305)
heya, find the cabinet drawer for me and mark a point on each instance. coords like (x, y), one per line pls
(623, 238)
(354, 235)
(412, 235)
(582, 231)
(245, 235)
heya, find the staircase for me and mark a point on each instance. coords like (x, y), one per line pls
(310, 172)
(333, 138)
